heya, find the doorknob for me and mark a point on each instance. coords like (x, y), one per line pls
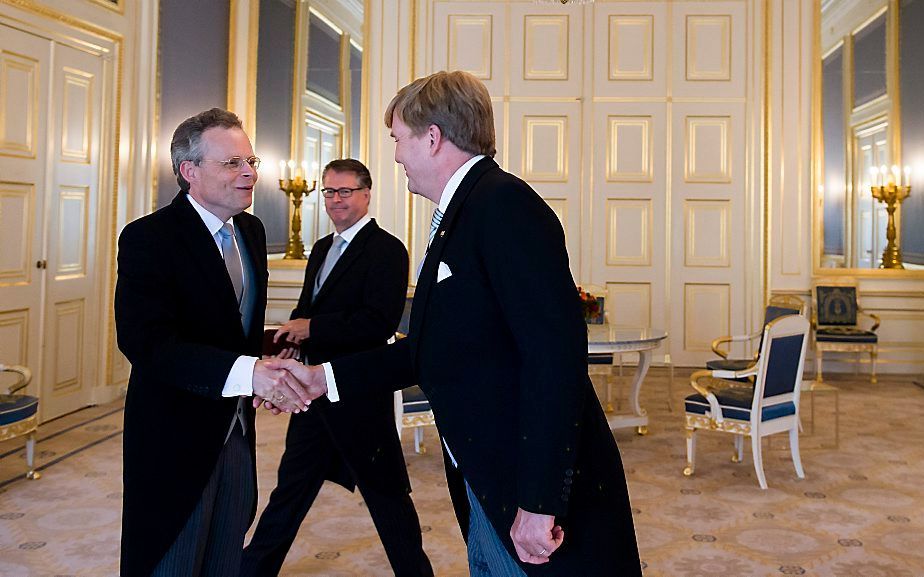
(41, 264)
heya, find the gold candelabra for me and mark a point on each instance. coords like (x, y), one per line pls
(295, 188)
(891, 195)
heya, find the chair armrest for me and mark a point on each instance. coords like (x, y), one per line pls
(876, 319)
(25, 376)
(731, 339)
(732, 375)
(704, 390)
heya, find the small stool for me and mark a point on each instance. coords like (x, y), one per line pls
(813, 388)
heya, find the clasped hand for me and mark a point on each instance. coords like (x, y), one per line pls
(286, 385)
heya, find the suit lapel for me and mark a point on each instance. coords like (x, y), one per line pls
(434, 253)
(257, 266)
(353, 249)
(204, 251)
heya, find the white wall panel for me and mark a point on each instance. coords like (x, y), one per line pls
(545, 50)
(706, 239)
(472, 38)
(628, 232)
(706, 316)
(628, 304)
(630, 49)
(709, 50)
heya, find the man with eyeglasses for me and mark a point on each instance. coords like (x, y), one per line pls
(189, 309)
(351, 301)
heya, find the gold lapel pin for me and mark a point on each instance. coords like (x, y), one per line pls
(442, 233)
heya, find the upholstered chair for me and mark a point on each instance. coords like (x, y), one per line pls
(19, 414)
(836, 319)
(766, 406)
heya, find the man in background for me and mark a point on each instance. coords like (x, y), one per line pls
(352, 300)
(189, 308)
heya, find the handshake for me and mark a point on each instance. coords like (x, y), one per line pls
(286, 385)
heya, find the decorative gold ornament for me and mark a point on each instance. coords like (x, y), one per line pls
(892, 194)
(295, 187)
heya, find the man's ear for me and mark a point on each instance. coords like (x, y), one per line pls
(436, 138)
(189, 171)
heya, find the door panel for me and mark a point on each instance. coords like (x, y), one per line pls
(24, 61)
(72, 295)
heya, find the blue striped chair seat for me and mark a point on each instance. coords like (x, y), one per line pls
(415, 401)
(845, 335)
(736, 404)
(14, 408)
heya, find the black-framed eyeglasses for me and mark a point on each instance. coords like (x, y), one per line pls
(343, 192)
(236, 162)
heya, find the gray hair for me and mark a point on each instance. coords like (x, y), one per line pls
(187, 138)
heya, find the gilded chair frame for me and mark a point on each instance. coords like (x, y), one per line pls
(820, 347)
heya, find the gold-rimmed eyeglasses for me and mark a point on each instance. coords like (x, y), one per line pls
(343, 192)
(236, 162)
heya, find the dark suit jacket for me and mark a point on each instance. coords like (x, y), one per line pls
(178, 323)
(358, 308)
(500, 349)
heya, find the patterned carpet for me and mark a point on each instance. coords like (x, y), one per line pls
(858, 513)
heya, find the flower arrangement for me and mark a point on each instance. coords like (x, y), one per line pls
(591, 306)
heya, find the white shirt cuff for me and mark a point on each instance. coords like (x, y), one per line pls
(332, 394)
(240, 380)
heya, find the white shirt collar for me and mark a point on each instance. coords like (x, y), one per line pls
(455, 180)
(349, 234)
(212, 222)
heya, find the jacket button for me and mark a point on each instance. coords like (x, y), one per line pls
(568, 480)
(564, 498)
(569, 472)
(565, 490)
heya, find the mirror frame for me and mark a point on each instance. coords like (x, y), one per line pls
(817, 147)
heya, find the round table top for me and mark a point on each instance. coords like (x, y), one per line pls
(606, 338)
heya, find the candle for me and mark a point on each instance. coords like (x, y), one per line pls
(304, 169)
(282, 170)
(883, 175)
(907, 175)
(873, 176)
(291, 169)
(896, 175)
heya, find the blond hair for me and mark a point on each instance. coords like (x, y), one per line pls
(456, 102)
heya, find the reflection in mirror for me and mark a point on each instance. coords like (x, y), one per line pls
(870, 65)
(308, 105)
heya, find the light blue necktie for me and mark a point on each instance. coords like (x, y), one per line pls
(333, 255)
(232, 256)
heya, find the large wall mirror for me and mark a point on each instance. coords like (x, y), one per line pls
(869, 130)
(308, 107)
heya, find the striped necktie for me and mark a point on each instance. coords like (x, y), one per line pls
(434, 224)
